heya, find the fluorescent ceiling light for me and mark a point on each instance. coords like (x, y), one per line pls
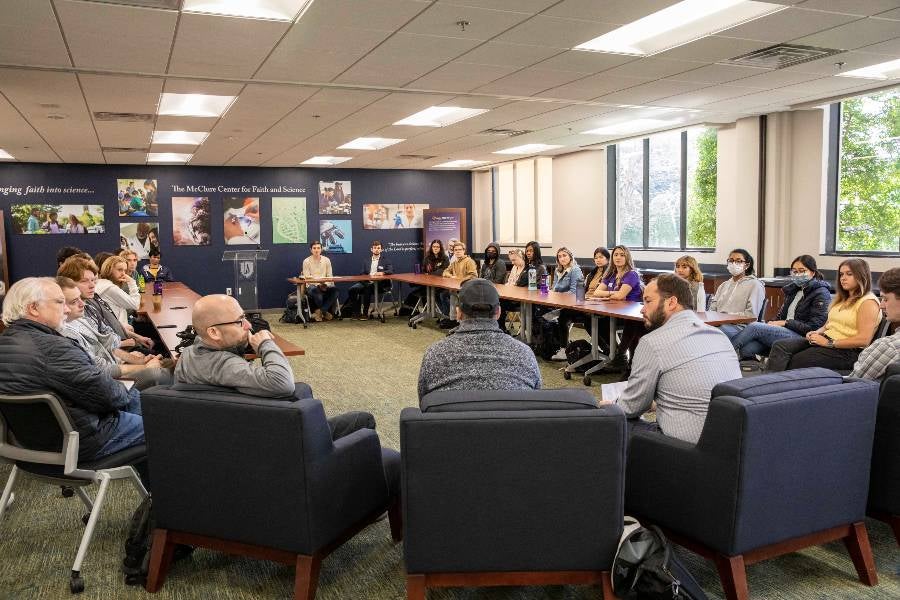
(183, 138)
(677, 25)
(626, 127)
(4, 155)
(194, 105)
(366, 143)
(272, 10)
(440, 116)
(326, 160)
(527, 149)
(168, 157)
(885, 70)
(460, 164)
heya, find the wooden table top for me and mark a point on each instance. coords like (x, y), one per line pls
(175, 313)
(337, 278)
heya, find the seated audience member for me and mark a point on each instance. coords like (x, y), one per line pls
(875, 359)
(805, 308)
(462, 268)
(533, 259)
(361, 293)
(146, 371)
(852, 320)
(67, 251)
(433, 263)
(517, 260)
(323, 297)
(131, 257)
(493, 268)
(566, 277)
(113, 275)
(217, 358)
(97, 311)
(100, 258)
(36, 358)
(451, 244)
(592, 282)
(677, 364)
(687, 268)
(743, 294)
(621, 281)
(481, 356)
(153, 271)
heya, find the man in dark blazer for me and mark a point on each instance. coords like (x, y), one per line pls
(361, 293)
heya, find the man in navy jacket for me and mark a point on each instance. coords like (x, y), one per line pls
(361, 293)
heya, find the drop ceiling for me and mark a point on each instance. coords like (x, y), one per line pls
(351, 68)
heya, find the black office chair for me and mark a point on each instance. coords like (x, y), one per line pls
(761, 317)
(38, 437)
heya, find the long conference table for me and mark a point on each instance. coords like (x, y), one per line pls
(175, 312)
(613, 309)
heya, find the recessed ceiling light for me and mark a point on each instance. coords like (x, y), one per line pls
(185, 138)
(194, 105)
(885, 70)
(4, 155)
(168, 157)
(460, 164)
(440, 116)
(326, 160)
(270, 10)
(527, 149)
(678, 24)
(369, 143)
(626, 127)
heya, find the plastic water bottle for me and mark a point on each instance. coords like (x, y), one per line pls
(544, 289)
(579, 290)
(532, 279)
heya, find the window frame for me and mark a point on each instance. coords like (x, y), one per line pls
(611, 206)
(832, 184)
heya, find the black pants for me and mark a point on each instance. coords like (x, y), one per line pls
(797, 353)
(361, 294)
(345, 424)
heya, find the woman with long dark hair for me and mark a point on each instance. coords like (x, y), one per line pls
(433, 263)
(743, 294)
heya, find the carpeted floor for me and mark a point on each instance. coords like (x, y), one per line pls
(352, 365)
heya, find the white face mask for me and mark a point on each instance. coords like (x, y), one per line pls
(735, 269)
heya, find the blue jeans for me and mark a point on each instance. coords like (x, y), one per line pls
(731, 330)
(326, 301)
(129, 429)
(757, 338)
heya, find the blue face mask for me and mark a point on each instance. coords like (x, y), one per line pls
(800, 280)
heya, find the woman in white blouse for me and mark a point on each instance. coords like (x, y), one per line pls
(114, 273)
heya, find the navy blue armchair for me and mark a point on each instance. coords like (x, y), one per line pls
(884, 485)
(511, 488)
(782, 464)
(261, 478)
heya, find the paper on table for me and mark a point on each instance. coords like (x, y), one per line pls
(612, 391)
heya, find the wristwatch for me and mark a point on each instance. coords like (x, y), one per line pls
(830, 343)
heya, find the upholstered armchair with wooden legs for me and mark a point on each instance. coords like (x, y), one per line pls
(884, 486)
(511, 488)
(782, 464)
(261, 478)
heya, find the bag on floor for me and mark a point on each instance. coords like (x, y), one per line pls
(290, 314)
(137, 544)
(546, 339)
(646, 568)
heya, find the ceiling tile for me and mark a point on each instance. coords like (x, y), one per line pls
(121, 38)
(17, 136)
(890, 14)
(125, 158)
(776, 79)
(888, 48)
(703, 96)
(555, 32)
(483, 24)
(460, 76)
(853, 7)
(714, 74)
(592, 87)
(586, 62)
(529, 81)
(654, 68)
(712, 49)
(857, 34)
(124, 135)
(653, 90)
(507, 55)
(111, 93)
(29, 35)
(618, 12)
(82, 156)
(787, 24)
(386, 15)
(529, 6)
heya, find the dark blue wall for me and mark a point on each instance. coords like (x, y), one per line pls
(201, 266)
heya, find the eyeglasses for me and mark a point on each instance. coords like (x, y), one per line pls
(799, 271)
(733, 261)
(238, 322)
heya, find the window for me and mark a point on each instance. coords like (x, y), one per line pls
(523, 196)
(663, 190)
(863, 194)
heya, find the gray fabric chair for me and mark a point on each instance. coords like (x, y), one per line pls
(511, 488)
(782, 464)
(884, 483)
(37, 436)
(260, 478)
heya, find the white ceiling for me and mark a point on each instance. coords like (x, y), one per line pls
(351, 68)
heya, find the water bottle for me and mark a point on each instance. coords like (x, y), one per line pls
(579, 291)
(532, 279)
(157, 288)
(141, 283)
(543, 284)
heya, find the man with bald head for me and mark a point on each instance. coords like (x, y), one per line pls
(217, 358)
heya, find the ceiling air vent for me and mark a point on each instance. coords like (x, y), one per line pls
(169, 4)
(781, 56)
(123, 149)
(505, 132)
(415, 157)
(124, 117)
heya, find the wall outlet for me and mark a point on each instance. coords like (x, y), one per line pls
(228, 291)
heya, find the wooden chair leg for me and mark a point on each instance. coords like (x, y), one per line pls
(415, 587)
(161, 553)
(734, 577)
(396, 520)
(606, 584)
(857, 543)
(307, 578)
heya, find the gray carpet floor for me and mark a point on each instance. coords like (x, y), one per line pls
(353, 365)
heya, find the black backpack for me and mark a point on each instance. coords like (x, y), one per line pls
(290, 314)
(257, 323)
(646, 568)
(137, 544)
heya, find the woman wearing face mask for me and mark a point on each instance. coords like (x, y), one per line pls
(493, 268)
(805, 308)
(743, 294)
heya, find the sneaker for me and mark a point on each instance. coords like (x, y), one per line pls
(317, 315)
(328, 316)
(560, 355)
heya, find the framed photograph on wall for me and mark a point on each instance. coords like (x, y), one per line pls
(4, 270)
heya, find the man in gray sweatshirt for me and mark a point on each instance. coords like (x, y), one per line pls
(217, 358)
